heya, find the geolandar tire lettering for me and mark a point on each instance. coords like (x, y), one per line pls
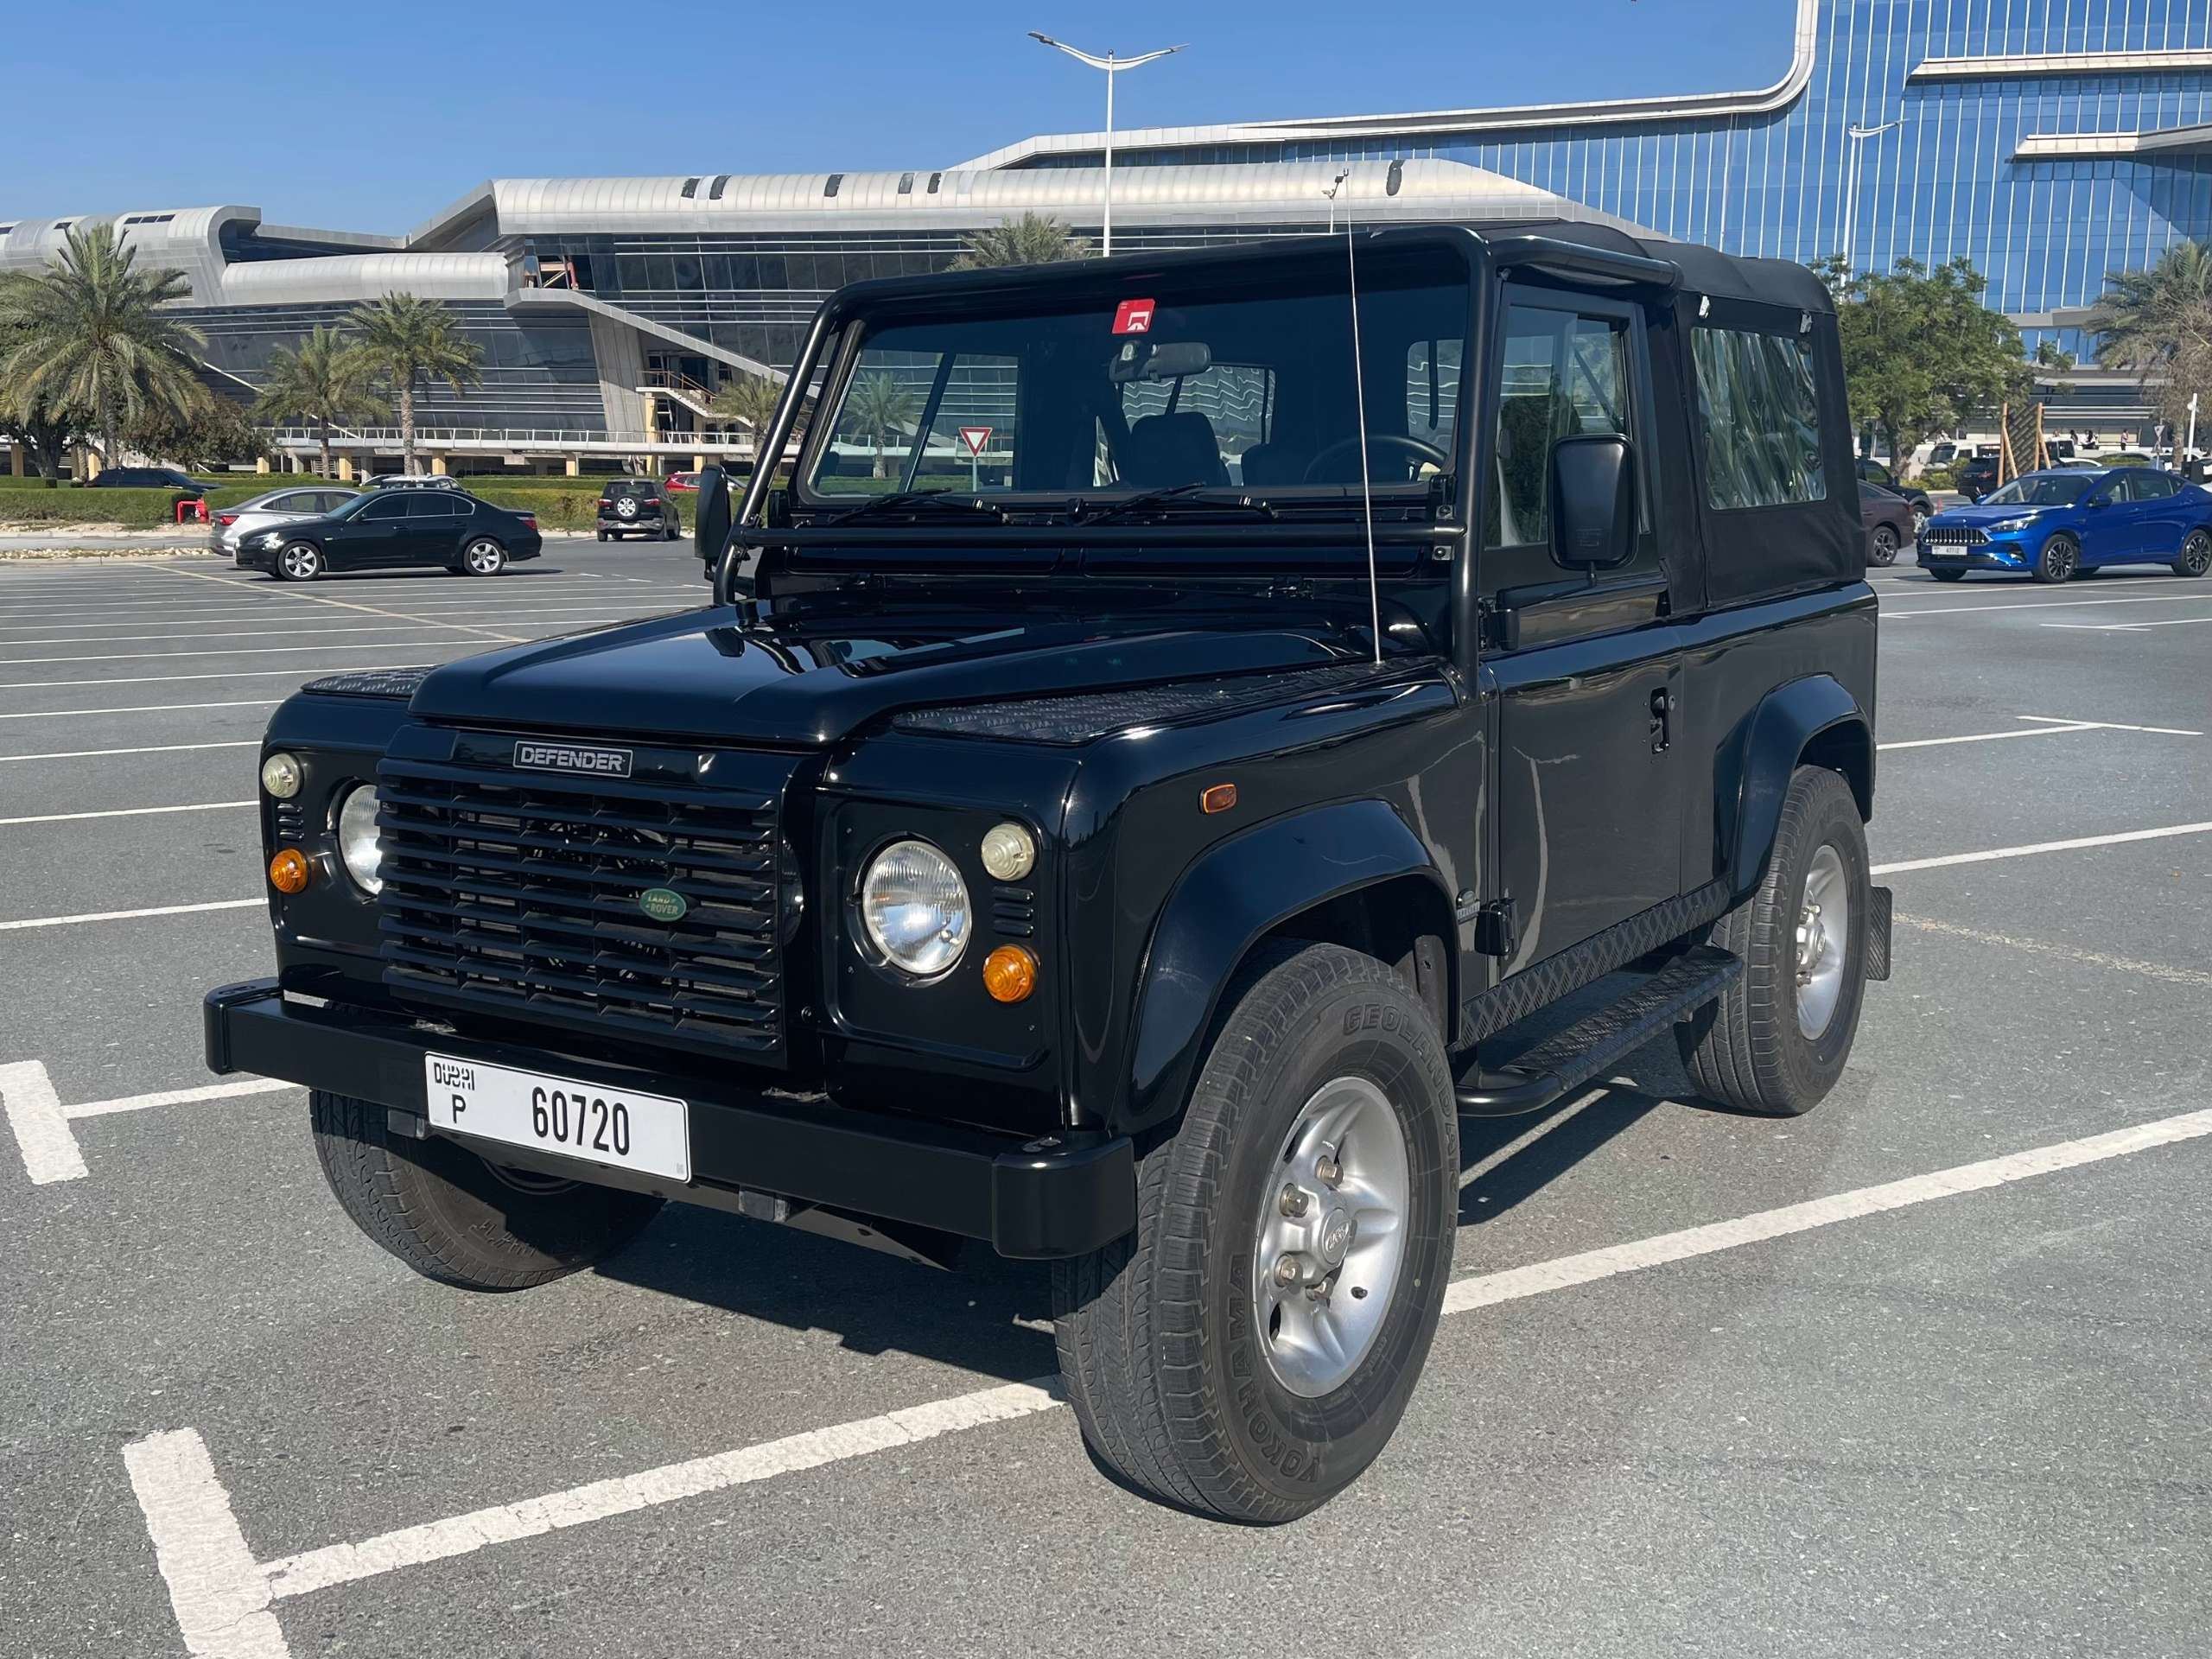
(1196, 1365)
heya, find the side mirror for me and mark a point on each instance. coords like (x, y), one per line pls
(2100, 499)
(710, 519)
(1593, 501)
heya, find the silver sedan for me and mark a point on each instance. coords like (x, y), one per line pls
(230, 526)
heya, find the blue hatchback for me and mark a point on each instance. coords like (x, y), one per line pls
(2052, 525)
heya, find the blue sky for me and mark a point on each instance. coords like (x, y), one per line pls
(371, 117)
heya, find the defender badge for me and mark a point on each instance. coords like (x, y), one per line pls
(664, 904)
(572, 757)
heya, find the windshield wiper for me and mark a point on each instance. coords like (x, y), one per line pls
(1183, 495)
(917, 501)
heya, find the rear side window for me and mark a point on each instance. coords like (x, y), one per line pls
(1759, 416)
(2152, 487)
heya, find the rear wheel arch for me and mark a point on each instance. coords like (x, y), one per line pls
(1813, 721)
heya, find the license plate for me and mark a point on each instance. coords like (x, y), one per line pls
(571, 1117)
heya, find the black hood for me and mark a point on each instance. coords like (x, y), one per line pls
(808, 683)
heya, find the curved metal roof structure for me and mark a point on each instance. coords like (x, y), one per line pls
(1437, 124)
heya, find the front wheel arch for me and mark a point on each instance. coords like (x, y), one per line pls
(1354, 866)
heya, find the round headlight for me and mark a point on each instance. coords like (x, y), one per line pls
(358, 850)
(280, 775)
(914, 905)
(1010, 852)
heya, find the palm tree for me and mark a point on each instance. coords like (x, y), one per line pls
(2158, 324)
(407, 341)
(1032, 240)
(325, 380)
(88, 333)
(750, 399)
(879, 406)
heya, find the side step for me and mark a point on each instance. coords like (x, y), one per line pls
(1593, 1045)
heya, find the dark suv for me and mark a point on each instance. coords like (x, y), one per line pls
(637, 506)
(1131, 812)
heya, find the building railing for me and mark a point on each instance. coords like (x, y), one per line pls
(552, 439)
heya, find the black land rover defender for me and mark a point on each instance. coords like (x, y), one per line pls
(1127, 806)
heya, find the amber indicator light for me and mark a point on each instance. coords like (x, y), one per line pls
(288, 871)
(1219, 799)
(1009, 974)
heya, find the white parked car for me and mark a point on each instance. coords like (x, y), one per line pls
(230, 526)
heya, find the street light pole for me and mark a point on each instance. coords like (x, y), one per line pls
(1854, 167)
(1112, 66)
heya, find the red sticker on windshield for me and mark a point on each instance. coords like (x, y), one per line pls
(1132, 317)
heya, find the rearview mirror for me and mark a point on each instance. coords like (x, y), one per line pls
(1147, 360)
(1593, 501)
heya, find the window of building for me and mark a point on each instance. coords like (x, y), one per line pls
(1759, 415)
(1563, 374)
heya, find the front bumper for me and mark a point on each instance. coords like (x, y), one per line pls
(1986, 555)
(1058, 1196)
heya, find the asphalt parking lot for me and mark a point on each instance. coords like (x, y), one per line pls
(1923, 1372)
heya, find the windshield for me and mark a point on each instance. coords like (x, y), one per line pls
(1183, 383)
(2038, 489)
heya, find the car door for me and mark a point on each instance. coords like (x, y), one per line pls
(375, 535)
(2160, 517)
(435, 519)
(1585, 669)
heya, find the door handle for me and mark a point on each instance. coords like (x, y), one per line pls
(1662, 709)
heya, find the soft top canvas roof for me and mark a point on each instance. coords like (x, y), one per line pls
(1705, 270)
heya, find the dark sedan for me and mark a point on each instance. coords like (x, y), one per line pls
(1889, 520)
(1872, 471)
(388, 528)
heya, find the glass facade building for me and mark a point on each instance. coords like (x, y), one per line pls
(2047, 142)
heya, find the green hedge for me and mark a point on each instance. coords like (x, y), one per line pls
(133, 509)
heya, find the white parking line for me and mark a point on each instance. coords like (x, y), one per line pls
(2039, 847)
(127, 812)
(2128, 627)
(216, 1588)
(2050, 604)
(151, 748)
(30, 922)
(301, 673)
(139, 708)
(2165, 971)
(2053, 727)
(232, 651)
(352, 605)
(41, 1122)
(103, 637)
(222, 1595)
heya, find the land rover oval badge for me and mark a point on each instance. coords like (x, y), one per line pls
(664, 904)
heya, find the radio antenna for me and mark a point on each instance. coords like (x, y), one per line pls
(1359, 412)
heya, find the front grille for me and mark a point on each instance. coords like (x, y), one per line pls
(518, 894)
(1954, 535)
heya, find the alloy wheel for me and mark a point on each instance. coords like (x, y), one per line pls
(485, 557)
(1329, 1239)
(2196, 553)
(301, 561)
(1823, 941)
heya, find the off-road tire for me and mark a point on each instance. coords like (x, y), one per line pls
(1946, 576)
(449, 1215)
(1746, 1050)
(1158, 1345)
(602, 535)
(2194, 557)
(2058, 560)
(672, 528)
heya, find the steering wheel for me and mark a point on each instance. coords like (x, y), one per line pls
(1413, 448)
